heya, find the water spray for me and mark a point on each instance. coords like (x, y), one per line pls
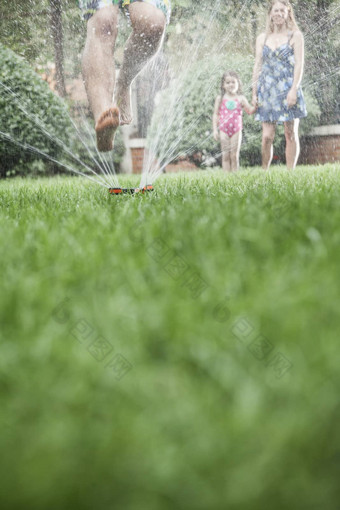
(131, 191)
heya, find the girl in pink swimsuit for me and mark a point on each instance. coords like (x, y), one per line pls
(227, 119)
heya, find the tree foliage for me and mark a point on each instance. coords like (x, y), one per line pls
(24, 27)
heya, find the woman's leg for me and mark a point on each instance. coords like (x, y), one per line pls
(268, 134)
(292, 143)
(235, 146)
(225, 150)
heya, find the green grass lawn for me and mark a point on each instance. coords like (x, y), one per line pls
(176, 350)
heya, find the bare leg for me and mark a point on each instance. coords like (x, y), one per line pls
(225, 149)
(235, 146)
(268, 134)
(99, 73)
(292, 143)
(148, 25)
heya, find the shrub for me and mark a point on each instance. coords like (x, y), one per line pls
(182, 121)
(21, 90)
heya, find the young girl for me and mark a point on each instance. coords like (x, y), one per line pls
(227, 119)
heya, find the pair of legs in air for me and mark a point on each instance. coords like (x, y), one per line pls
(230, 148)
(292, 143)
(110, 101)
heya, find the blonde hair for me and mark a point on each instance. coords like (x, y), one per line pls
(291, 23)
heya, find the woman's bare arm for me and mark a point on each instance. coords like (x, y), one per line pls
(299, 56)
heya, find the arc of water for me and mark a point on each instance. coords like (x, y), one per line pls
(40, 125)
(29, 147)
(105, 166)
(175, 101)
(219, 44)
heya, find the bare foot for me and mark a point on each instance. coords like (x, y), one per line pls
(124, 104)
(106, 127)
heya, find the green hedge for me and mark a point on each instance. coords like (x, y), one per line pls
(183, 116)
(22, 89)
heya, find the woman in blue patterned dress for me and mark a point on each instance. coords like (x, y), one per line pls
(276, 81)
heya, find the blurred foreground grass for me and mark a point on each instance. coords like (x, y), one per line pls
(177, 350)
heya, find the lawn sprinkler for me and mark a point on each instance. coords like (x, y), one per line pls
(131, 191)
